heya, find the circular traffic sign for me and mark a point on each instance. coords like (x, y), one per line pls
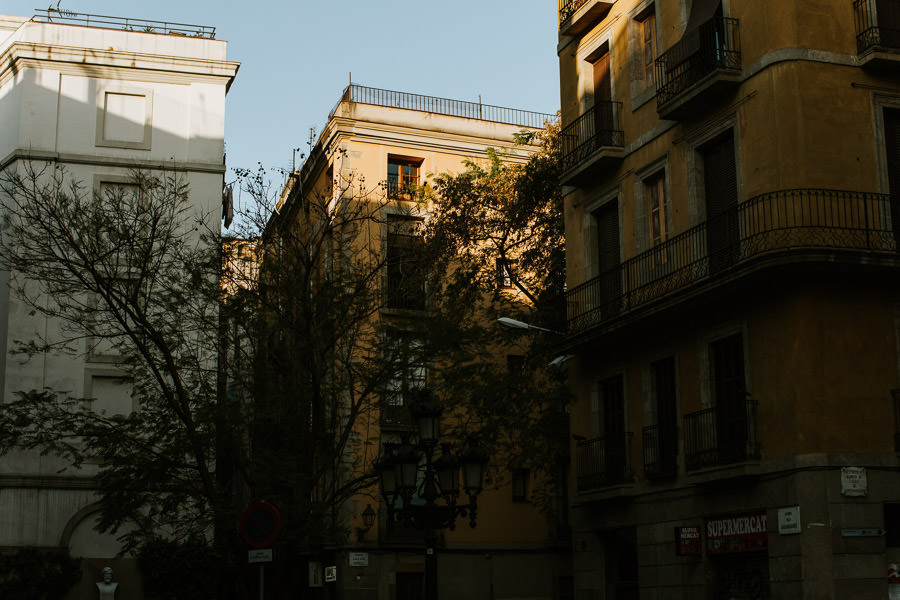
(260, 524)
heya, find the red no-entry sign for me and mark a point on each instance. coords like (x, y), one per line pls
(260, 524)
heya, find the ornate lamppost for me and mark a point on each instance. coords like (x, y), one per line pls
(409, 471)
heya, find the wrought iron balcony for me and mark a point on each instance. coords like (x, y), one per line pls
(877, 30)
(603, 461)
(396, 416)
(721, 435)
(660, 446)
(707, 58)
(788, 224)
(593, 139)
(576, 16)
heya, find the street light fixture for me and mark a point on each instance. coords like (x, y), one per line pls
(516, 324)
(409, 471)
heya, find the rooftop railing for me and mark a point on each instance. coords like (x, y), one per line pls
(68, 17)
(877, 24)
(782, 222)
(715, 45)
(442, 106)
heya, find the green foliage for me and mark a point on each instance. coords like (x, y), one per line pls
(491, 216)
(171, 570)
(38, 574)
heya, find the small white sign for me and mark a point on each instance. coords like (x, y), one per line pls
(330, 574)
(789, 520)
(853, 481)
(259, 556)
(359, 559)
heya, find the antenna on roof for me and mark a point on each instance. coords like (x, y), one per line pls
(312, 138)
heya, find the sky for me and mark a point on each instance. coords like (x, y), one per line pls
(297, 56)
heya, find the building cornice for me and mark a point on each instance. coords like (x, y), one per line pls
(111, 161)
(114, 64)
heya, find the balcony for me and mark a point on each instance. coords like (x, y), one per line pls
(721, 435)
(576, 16)
(787, 226)
(603, 461)
(396, 417)
(660, 446)
(702, 65)
(592, 142)
(878, 32)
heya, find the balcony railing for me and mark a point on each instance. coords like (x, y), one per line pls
(597, 128)
(783, 222)
(895, 396)
(603, 461)
(715, 45)
(442, 106)
(396, 416)
(567, 8)
(721, 435)
(877, 24)
(660, 445)
(68, 17)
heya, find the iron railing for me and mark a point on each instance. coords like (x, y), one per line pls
(721, 435)
(715, 45)
(68, 17)
(567, 8)
(442, 106)
(786, 221)
(877, 24)
(660, 446)
(895, 396)
(603, 461)
(407, 187)
(395, 416)
(597, 128)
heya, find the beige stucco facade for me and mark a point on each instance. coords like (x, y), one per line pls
(730, 224)
(515, 551)
(100, 104)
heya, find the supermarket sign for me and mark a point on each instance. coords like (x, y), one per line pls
(747, 532)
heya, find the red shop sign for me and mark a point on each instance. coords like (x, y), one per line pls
(687, 541)
(747, 532)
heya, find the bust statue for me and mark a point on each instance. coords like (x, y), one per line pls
(107, 587)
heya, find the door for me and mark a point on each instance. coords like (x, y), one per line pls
(603, 107)
(892, 147)
(410, 586)
(610, 282)
(732, 433)
(666, 414)
(615, 458)
(720, 191)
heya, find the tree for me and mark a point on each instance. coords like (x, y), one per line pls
(136, 272)
(495, 247)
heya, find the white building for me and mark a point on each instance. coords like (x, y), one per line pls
(101, 100)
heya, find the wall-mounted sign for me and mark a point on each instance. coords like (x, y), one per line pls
(359, 559)
(331, 574)
(853, 481)
(687, 541)
(737, 533)
(789, 520)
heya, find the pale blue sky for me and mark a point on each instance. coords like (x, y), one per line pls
(296, 57)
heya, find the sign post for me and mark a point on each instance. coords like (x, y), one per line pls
(260, 525)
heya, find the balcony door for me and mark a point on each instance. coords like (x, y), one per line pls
(603, 107)
(613, 397)
(731, 398)
(888, 14)
(720, 191)
(892, 148)
(608, 261)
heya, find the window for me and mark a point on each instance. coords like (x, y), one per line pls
(520, 485)
(409, 373)
(658, 209)
(124, 118)
(405, 269)
(647, 23)
(666, 429)
(729, 389)
(403, 177)
(504, 280)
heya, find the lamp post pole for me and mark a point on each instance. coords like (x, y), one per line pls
(399, 468)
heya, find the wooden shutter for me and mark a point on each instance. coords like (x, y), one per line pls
(892, 149)
(608, 257)
(720, 190)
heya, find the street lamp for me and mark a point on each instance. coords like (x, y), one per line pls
(409, 471)
(516, 324)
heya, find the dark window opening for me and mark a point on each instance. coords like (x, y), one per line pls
(520, 485)
(405, 268)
